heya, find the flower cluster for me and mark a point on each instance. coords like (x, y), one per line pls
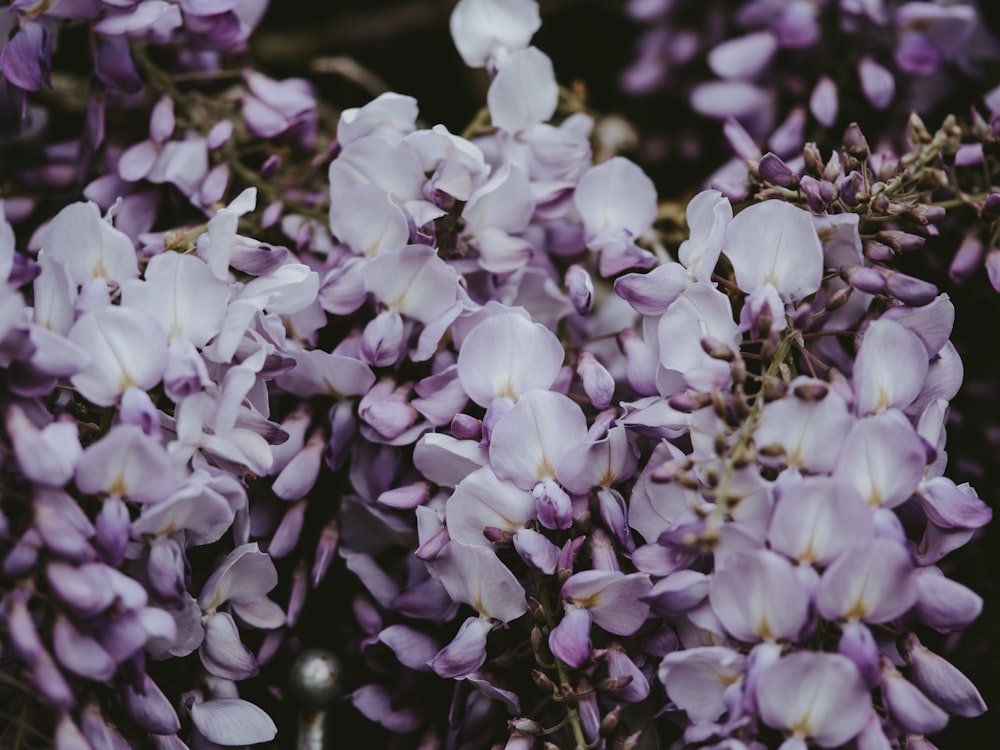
(770, 65)
(575, 483)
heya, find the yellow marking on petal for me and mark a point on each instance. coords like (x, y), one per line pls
(764, 630)
(588, 602)
(544, 469)
(858, 610)
(726, 678)
(98, 270)
(801, 728)
(119, 487)
(507, 390)
(608, 477)
(126, 381)
(884, 400)
(875, 498)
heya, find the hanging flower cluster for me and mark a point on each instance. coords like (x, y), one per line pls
(604, 490)
(789, 70)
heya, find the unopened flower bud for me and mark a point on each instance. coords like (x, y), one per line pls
(813, 159)
(466, 427)
(924, 215)
(772, 169)
(689, 402)
(916, 131)
(716, 349)
(878, 252)
(909, 290)
(610, 721)
(813, 191)
(865, 279)
(850, 186)
(811, 392)
(902, 241)
(542, 681)
(581, 288)
(838, 298)
(991, 208)
(855, 142)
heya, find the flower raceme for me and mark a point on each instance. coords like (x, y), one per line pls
(725, 532)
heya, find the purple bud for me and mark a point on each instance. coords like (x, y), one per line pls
(382, 340)
(161, 123)
(113, 526)
(909, 290)
(848, 187)
(813, 191)
(902, 241)
(598, 383)
(555, 509)
(466, 427)
(580, 287)
(878, 252)
(908, 707)
(772, 169)
(991, 208)
(941, 681)
(866, 279)
(150, 708)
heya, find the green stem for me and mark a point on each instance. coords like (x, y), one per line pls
(746, 432)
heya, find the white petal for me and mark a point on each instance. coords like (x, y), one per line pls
(524, 92)
(232, 721)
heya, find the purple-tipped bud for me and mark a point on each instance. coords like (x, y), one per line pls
(865, 279)
(555, 509)
(813, 191)
(902, 241)
(909, 290)
(991, 208)
(568, 552)
(908, 707)
(113, 527)
(924, 215)
(849, 186)
(772, 169)
(941, 681)
(598, 383)
(878, 252)
(382, 339)
(465, 427)
(581, 288)
(855, 143)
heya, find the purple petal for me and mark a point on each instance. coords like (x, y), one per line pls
(231, 721)
(569, 641)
